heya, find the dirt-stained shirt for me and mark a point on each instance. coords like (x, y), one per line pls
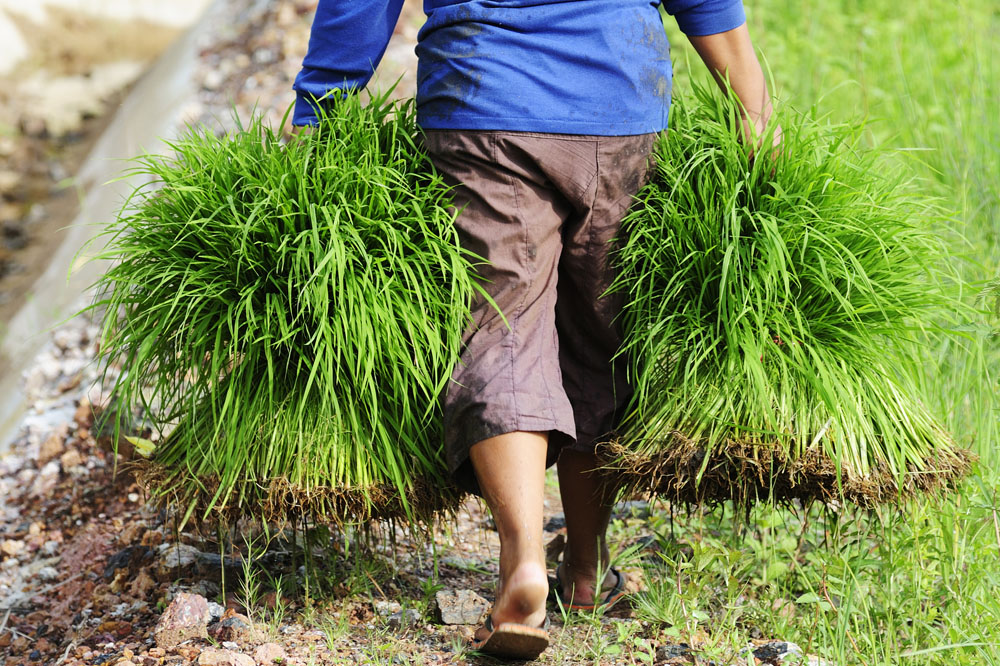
(564, 66)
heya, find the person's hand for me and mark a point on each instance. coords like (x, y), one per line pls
(301, 131)
(730, 58)
(759, 130)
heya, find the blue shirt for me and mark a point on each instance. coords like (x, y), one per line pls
(563, 66)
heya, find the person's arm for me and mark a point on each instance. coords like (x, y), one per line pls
(717, 29)
(347, 42)
(730, 56)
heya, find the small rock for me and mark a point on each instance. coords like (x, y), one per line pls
(233, 627)
(668, 652)
(152, 538)
(403, 618)
(9, 180)
(774, 652)
(385, 607)
(188, 653)
(26, 477)
(268, 653)
(213, 657)
(84, 415)
(70, 459)
(213, 79)
(53, 446)
(129, 535)
(46, 480)
(186, 617)
(229, 645)
(463, 563)
(461, 606)
(48, 573)
(142, 585)
(216, 610)
(70, 382)
(263, 56)
(12, 547)
(67, 338)
(46, 369)
(175, 556)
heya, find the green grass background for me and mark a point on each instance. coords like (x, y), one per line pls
(918, 584)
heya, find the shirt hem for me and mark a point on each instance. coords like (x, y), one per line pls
(540, 125)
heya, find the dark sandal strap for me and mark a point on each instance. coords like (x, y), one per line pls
(617, 588)
(488, 623)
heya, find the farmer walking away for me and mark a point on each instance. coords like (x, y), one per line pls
(543, 114)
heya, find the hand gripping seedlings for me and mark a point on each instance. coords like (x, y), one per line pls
(775, 311)
(288, 314)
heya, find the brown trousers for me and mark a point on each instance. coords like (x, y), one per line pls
(542, 209)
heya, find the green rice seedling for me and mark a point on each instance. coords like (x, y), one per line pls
(289, 312)
(775, 312)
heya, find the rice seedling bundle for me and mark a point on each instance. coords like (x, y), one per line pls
(775, 309)
(290, 312)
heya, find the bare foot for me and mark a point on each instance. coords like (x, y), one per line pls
(520, 598)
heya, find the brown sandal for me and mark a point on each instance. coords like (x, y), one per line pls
(513, 641)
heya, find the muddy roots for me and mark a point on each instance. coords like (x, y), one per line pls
(749, 472)
(280, 502)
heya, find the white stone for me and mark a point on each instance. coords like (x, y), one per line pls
(48, 573)
(213, 79)
(215, 610)
(176, 556)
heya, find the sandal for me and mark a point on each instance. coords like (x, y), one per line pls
(511, 640)
(614, 595)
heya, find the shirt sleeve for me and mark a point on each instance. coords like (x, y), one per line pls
(706, 17)
(347, 41)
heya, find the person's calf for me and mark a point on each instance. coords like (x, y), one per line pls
(510, 469)
(587, 497)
